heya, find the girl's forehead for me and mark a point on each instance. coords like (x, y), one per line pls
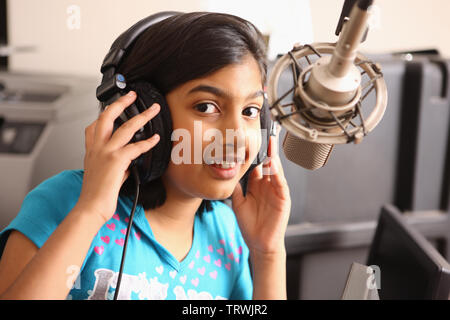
(243, 80)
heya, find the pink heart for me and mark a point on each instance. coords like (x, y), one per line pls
(116, 216)
(230, 255)
(105, 239)
(99, 250)
(213, 274)
(191, 265)
(126, 219)
(111, 226)
(197, 254)
(236, 259)
(120, 241)
(195, 281)
(138, 235)
(173, 274)
(159, 269)
(183, 279)
(218, 262)
(207, 258)
(201, 270)
(220, 251)
(231, 244)
(228, 266)
(239, 250)
(123, 231)
(222, 241)
(210, 248)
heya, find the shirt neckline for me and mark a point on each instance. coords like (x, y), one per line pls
(141, 221)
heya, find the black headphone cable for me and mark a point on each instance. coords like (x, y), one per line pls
(135, 173)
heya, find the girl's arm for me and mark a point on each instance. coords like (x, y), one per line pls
(47, 273)
(27, 272)
(269, 276)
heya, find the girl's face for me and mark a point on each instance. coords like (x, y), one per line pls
(225, 104)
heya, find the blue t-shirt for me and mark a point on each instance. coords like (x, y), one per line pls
(216, 267)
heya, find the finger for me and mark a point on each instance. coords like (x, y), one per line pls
(266, 169)
(279, 166)
(125, 132)
(279, 183)
(267, 164)
(134, 150)
(255, 177)
(256, 173)
(105, 122)
(126, 175)
(278, 180)
(89, 132)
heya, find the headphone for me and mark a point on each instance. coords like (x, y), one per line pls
(153, 163)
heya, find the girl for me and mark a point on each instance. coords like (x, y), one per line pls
(67, 239)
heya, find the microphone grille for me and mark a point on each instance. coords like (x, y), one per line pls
(306, 154)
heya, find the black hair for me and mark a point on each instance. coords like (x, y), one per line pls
(185, 47)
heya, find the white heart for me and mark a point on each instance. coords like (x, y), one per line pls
(173, 273)
(159, 269)
(183, 279)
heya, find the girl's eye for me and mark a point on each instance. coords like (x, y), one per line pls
(205, 107)
(251, 112)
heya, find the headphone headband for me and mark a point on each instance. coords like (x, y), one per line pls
(127, 38)
(114, 57)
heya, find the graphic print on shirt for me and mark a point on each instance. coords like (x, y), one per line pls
(105, 279)
(145, 289)
(212, 262)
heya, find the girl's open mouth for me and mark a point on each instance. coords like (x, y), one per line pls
(224, 169)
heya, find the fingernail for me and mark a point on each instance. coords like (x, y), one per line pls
(131, 93)
(154, 107)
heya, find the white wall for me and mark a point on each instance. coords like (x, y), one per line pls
(287, 21)
(404, 24)
(43, 23)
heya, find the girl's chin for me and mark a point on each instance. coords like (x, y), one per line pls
(219, 192)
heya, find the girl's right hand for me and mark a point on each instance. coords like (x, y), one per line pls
(109, 155)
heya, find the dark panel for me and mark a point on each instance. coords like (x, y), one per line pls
(3, 33)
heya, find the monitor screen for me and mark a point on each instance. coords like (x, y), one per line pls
(410, 267)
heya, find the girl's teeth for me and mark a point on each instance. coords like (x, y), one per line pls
(221, 163)
(227, 165)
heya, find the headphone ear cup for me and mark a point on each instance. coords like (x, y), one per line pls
(152, 164)
(266, 124)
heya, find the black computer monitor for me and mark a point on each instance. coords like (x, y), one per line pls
(410, 267)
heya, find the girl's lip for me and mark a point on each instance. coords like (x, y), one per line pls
(224, 174)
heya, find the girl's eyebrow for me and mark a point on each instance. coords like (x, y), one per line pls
(222, 94)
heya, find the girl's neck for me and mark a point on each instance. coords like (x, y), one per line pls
(173, 222)
(177, 213)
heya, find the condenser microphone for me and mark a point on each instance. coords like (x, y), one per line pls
(328, 93)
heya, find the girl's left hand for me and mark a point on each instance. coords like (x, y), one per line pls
(263, 213)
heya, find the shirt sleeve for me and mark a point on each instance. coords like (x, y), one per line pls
(243, 287)
(45, 207)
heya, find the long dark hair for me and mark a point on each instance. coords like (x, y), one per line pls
(182, 48)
